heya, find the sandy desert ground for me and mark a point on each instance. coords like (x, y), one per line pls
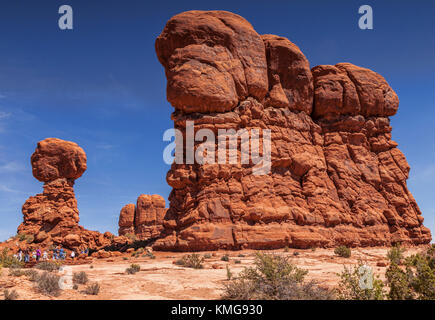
(160, 278)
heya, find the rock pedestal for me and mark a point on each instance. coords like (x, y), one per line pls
(52, 217)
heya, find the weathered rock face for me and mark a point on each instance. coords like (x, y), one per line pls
(145, 219)
(336, 176)
(52, 217)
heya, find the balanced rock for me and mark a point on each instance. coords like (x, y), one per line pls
(336, 176)
(52, 217)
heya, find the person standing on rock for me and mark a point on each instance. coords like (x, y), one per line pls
(20, 255)
(54, 254)
(38, 254)
(26, 256)
(73, 254)
(45, 256)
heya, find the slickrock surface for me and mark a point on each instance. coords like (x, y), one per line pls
(160, 278)
(336, 177)
(52, 217)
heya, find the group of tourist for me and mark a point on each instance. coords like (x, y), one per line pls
(58, 253)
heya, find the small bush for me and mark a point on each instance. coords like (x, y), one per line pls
(416, 280)
(15, 272)
(134, 268)
(48, 284)
(10, 295)
(193, 260)
(241, 255)
(75, 287)
(351, 288)
(124, 258)
(343, 251)
(93, 289)
(229, 273)
(48, 266)
(150, 255)
(296, 253)
(286, 249)
(80, 277)
(131, 236)
(395, 254)
(32, 275)
(9, 261)
(225, 258)
(207, 256)
(237, 262)
(25, 237)
(273, 278)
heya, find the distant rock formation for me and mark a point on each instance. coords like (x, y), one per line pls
(336, 177)
(52, 217)
(143, 219)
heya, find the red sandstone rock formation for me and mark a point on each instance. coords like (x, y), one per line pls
(336, 177)
(145, 219)
(52, 217)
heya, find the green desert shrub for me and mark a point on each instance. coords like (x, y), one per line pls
(355, 284)
(80, 277)
(416, 280)
(207, 256)
(134, 268)
(48, 283)
(32, 275)
(193, 260)
(48, 266)
(225, 257)
(274, 278)
(10, 294)
(25, 237)
(229, 273)
(150, 255)
(343, 251)
(16, 272)
(396, 254)
(131, 236)
(9, 261)
(93, 289)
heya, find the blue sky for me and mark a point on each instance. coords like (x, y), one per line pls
(101, 86)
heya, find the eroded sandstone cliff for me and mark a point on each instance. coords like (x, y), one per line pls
(336, 176)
